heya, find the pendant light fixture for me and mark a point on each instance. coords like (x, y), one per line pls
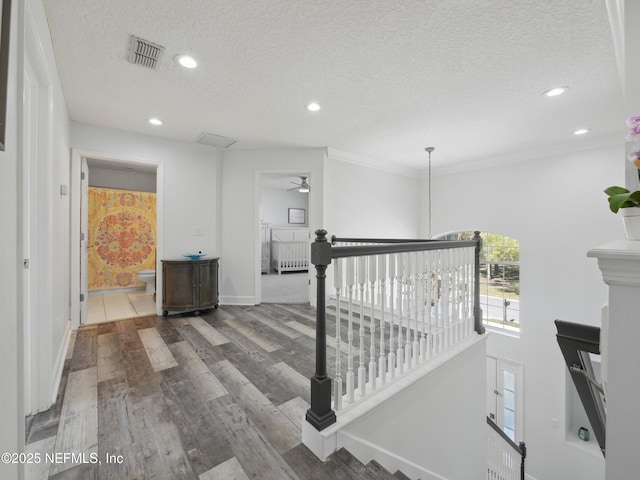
(429, 150)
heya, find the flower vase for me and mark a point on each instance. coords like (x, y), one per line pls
(631, 220)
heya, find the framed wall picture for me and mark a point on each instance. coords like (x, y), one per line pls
(297, 215)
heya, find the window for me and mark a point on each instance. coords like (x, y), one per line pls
(499, 279)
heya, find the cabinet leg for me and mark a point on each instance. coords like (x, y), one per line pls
(165, 313)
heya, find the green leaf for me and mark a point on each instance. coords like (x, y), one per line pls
(615, 190)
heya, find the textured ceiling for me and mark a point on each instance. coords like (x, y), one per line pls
(392, 76)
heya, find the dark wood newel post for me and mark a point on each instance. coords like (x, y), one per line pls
(477, 311)
(320, 415)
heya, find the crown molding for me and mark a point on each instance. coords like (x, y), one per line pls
(341, 156)
(583, 145)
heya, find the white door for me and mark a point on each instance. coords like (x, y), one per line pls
(84, 240)
(505, 396)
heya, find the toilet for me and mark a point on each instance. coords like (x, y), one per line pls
(148, 276)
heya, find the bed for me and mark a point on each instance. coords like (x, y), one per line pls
(290, 249)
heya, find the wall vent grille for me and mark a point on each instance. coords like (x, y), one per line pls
(144, 53)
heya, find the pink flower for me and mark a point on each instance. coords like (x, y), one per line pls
(634, 155)
(633, 124)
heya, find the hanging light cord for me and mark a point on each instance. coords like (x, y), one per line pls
(429, 150)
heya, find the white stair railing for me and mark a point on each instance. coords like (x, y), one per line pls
(425, 297)
(505, 459)
(411, 300)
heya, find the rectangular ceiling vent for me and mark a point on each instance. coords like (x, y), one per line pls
(144, 53)
(215, 140)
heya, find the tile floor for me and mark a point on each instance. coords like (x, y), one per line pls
(117, 306)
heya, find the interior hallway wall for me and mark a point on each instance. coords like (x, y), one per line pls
(556, 208)
(239, 264)
(12, 412)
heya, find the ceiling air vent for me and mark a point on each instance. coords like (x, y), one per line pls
(215, 140)
(144, 53)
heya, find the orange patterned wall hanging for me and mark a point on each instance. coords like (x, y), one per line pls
(122, 237)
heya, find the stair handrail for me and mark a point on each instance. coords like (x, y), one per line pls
(520, 448)
(576, 342)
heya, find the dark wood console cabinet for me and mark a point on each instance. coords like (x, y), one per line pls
(189, 285)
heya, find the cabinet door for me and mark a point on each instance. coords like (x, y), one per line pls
(179, 286)
(208, 284)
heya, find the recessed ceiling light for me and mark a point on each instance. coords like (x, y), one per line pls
(154, 121)
(554, 92)
(186, 61)
(582, 131)
(313, 106)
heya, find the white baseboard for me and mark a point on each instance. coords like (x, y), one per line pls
(59, 364)
(237, 300)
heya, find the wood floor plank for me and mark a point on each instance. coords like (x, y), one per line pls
(257, 456)
(72, 342)
(36, 471)
(275, 324)
(213, 336)
(118, 434)
(84, 350)
(229, 470)
(164, 456)
(78, 427)
(274, 425)
(110, 364)
(200, 345)
(295, 410)
(202, 434)
(141, 376)
(204, 381)
(159, 355)
(293, 379)
(253, 335)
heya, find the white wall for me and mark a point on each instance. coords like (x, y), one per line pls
(191, 183)
(11, 413)
(276, 204)
(437, 423)
(367, 202)
(239, 264)
(556, 208)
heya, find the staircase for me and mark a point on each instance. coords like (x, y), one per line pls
(342, 465)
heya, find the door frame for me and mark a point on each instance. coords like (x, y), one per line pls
(517, 368)
(259, 174)
(35, 227)
(75, 267)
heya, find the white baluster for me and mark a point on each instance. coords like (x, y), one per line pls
(413, 259)
(372, 325)
(400, 300)
(382, 275)
(362, 279)
(407, 333)
(350, 379)
(337, 387)
(392, 301)
(429, 303)
(422, 303)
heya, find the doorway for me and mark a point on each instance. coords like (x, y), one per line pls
(284, 237)
(117, 179)
(505, 396)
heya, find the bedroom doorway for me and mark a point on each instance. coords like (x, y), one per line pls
(284, 237)
(119, 232)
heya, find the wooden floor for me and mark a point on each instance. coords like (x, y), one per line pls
(217, 396)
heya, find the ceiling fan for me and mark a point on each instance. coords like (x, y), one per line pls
(302, 187)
